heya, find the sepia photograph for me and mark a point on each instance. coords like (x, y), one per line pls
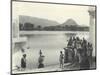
(52, 37)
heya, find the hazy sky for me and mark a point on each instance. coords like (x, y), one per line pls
(56, 12)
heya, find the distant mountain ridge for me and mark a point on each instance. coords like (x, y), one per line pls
(37, 21)
(34, 23)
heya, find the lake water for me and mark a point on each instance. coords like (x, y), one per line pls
(50, 42)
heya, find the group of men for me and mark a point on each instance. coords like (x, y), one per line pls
(81, 53)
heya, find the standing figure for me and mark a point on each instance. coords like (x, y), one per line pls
(40, 60)
(89, 53)
(23, 62)
(61, 59)
(70, 42)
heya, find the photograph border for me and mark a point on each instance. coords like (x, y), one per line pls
(50, 3)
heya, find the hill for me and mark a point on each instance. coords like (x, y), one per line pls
(37, 21)
(70, 22)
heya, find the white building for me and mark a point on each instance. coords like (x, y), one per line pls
(17, 41)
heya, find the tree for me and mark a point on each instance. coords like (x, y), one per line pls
(39, 27)
(28, 26)
(20, 26)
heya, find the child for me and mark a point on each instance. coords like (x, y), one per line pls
(61, 59)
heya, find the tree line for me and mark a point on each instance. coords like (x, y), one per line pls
(32, 27)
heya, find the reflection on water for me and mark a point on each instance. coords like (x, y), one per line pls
(51, 43)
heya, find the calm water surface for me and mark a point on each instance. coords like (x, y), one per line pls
(50, 42)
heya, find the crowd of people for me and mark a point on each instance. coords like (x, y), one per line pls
(81, 54)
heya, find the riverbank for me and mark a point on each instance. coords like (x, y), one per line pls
(67, 66)
(51, 32)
